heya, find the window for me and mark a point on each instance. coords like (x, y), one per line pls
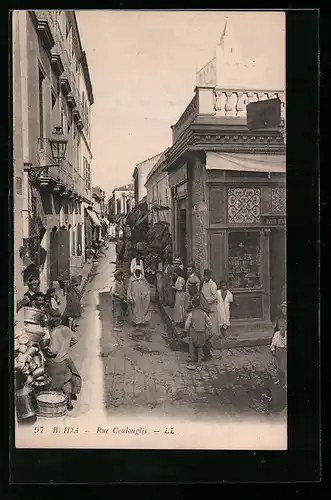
(73, 247)
(54, 110)
(244, 259)
(41, 106)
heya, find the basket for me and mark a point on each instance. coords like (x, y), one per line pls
(52, 404)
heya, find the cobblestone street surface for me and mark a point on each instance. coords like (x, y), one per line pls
(148, 369)
(141, 378)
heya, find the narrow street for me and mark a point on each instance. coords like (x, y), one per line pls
(125, 372)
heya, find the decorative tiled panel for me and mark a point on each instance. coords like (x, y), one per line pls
(244, 205)
(278, 200)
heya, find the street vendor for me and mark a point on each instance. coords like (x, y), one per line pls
(59, 365)
(33, 288)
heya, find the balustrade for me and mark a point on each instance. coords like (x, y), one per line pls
(217, 102)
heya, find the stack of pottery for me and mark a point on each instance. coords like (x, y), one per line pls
(30, 361)
(34, 321)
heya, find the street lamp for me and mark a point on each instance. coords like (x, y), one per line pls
(58, 144)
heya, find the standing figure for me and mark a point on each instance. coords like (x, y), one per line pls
(180, 299)
(199, 327)
(160, 282)
(73, 309)
(224, 300)
(169, 293)
(120, 251)
(139, 297)
(137, 261)
(192, 284)
(59, 365)
(209, 291)
(119, 299)
(278, 350)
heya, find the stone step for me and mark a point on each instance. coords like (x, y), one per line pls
(248, 337)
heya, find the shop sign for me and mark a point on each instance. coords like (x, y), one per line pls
(274, 221)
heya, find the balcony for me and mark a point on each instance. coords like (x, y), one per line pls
(65, 83)
(44, 23)
(213, 103)
(56, 61)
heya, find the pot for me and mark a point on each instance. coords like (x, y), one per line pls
(26, 403)
(34, 332)
(33, 315)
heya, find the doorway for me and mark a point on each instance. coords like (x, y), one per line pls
(277, 270)
(182, 232)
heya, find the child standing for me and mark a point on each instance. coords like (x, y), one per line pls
(278, 349)
(119, 299)
(73, 309)
(224, 301)
(199, 327)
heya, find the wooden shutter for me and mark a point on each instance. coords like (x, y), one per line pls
(60, 256)
(217, 255)
(216, 205)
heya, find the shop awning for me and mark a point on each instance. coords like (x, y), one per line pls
(245, 162)
(94, 217)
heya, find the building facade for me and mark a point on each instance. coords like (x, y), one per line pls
(228, 201)
(140, 174)
(159, 193)
(121, 201)
(228, 184)
(54, 90)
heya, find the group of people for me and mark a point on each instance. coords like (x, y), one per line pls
(59, 335)
(202, 309)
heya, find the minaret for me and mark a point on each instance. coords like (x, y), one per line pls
(227, 56)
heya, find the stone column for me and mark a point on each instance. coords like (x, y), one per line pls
(199, 213)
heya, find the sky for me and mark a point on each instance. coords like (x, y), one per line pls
(143, 68)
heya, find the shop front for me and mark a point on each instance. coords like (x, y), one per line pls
(246, 226)
(229, 215)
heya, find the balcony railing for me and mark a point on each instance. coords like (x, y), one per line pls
(216, 102)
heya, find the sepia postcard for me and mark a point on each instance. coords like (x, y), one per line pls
(149, 169)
